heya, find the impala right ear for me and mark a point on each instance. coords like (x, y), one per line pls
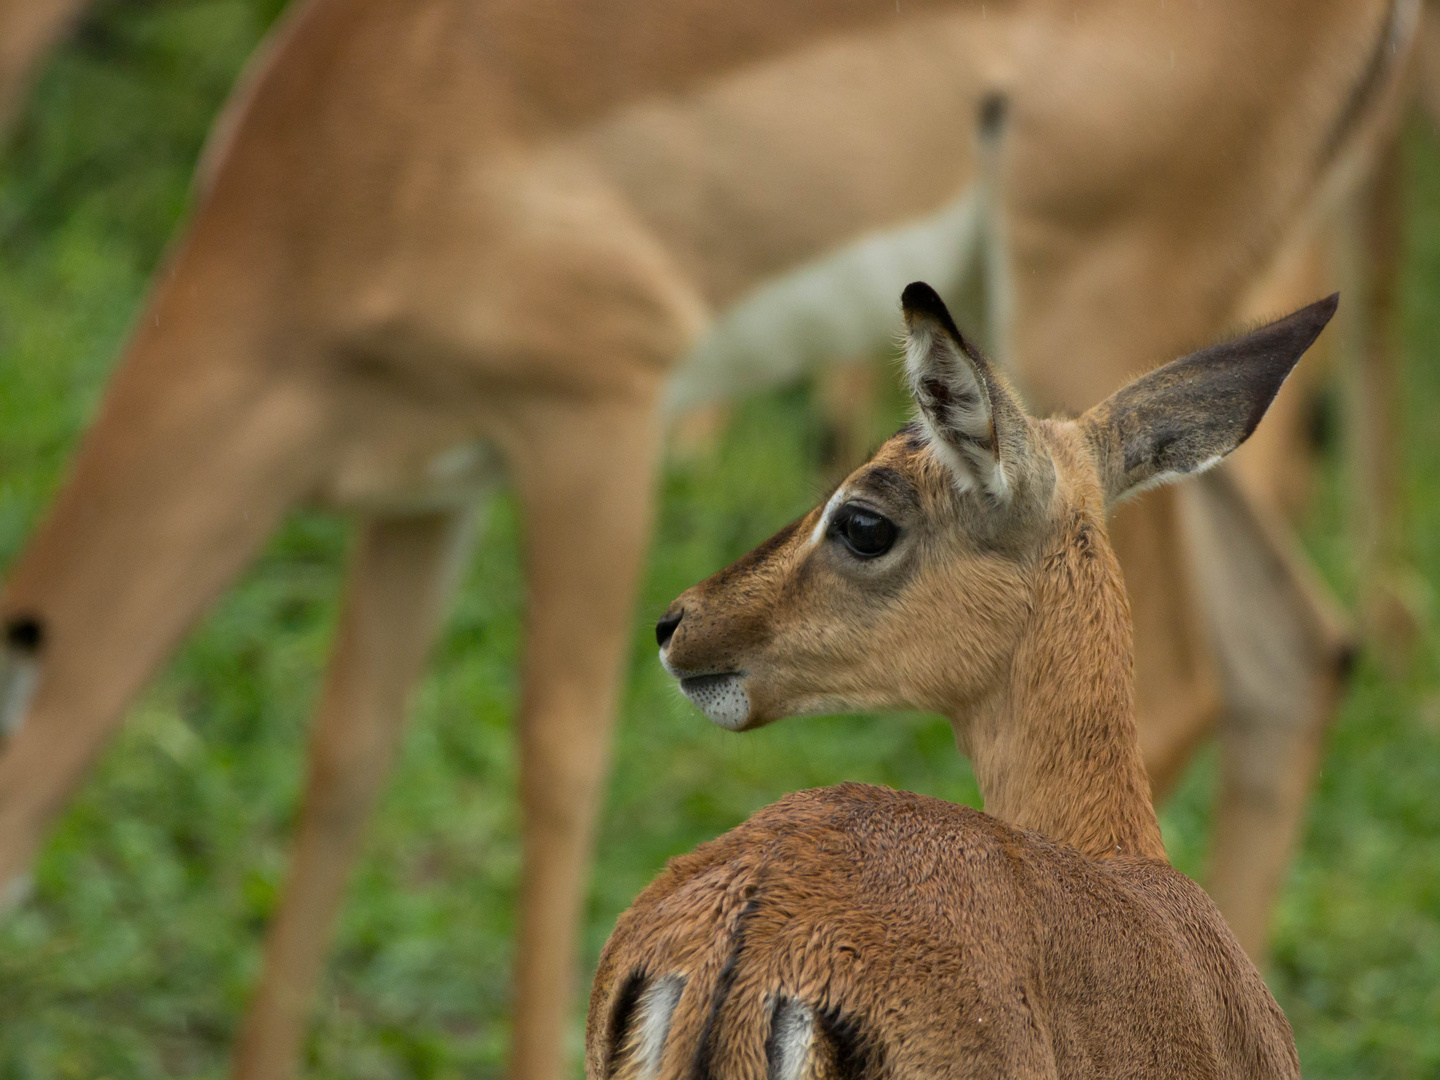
(1187, 415)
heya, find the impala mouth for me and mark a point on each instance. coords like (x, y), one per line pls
(720, 696)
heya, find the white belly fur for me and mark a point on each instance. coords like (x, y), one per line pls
(841, 306)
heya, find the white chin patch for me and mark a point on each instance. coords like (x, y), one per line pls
(720, 697)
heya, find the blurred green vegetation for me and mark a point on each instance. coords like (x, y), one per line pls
(136, 952)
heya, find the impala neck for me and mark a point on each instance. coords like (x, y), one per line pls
(1056, 750)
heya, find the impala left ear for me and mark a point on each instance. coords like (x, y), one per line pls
(972, 419)
(1186, 416)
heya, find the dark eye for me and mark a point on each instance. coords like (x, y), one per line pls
(864, 532)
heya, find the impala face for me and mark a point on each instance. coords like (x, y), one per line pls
(836, 612)
(825, 615)
(912, 585)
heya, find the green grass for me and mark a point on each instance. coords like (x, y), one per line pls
(136, 953)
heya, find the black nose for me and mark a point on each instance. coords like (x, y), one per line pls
(665, 628)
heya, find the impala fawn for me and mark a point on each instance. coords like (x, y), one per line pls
(861, 932)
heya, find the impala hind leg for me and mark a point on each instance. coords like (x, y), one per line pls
(1284, 651)
(584, 477)
(401, 573)
(1393, 597)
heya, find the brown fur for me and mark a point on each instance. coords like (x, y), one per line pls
(1045, 938)
(940, 942)
(431, 226)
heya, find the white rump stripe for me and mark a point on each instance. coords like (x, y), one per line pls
(790, 1039)
(656, 1009)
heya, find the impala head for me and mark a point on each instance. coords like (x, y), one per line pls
(915, 582)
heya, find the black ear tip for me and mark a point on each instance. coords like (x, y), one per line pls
(1304, 326)
(920, 298)
(1315, 316)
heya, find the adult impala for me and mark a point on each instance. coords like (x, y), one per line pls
(860, 932)
(438, 235)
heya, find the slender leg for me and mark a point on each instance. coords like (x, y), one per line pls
(401, 574)
(1370, 231)
(1283, 649)
(585, 483)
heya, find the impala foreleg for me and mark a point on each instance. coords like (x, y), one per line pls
(585, 477)
(401, 574)
(1283, 650)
